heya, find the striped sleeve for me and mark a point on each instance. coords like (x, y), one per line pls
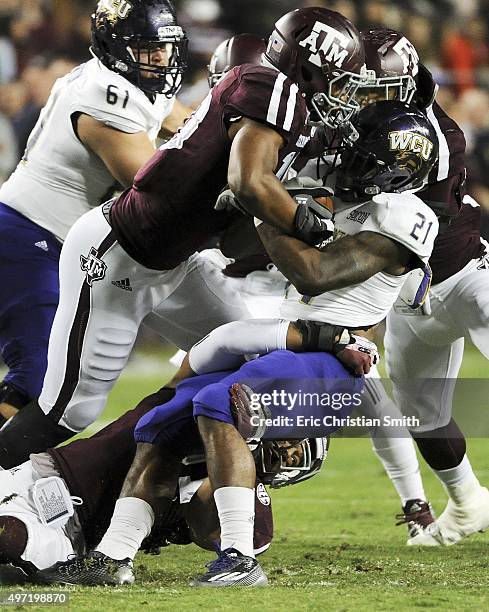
(446, 182)
(269, 97)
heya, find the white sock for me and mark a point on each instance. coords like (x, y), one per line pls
(236, 509)
(460, 482)
(131, 522)
(398, 456)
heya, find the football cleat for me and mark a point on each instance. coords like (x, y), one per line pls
(457, 521)
(417, 514)
(232, 568)
(92, 569)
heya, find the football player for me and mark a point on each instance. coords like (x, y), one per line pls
(424, 345)
(41, 527)
(96, 130)
(133, 258)
(350, 284)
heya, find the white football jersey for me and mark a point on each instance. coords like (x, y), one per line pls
(59, 179)
(401, 216)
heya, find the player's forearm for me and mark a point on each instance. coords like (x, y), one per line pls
(298, 262)
(225, 347)
(265, 198)
(344, 262)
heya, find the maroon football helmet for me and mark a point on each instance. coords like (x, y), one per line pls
(322, 52)
(240, 49)
(394, 63)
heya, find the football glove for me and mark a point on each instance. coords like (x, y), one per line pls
(227, 201)
(313, 222)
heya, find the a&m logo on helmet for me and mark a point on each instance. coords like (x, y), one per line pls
(332, 49)
(408, 54)
(113, 10)
(406, 141)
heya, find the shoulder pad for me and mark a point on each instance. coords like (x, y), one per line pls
(406, 219)
(111, 99)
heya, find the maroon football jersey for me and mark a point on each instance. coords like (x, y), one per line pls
(169, 211)
(459, 242)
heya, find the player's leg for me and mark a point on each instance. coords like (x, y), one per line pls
(424, 377)
(91, 338)
(394, 447)
(203, 521)
(466, 302)
(29, 269)
(204, 300)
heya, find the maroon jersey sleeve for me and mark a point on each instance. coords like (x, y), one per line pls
(446, 182)
(268, 97)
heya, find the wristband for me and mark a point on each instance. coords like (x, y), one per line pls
(318, 336)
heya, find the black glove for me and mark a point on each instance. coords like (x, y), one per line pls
(313, 223)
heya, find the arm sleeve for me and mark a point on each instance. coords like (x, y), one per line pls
(225, 347)
(405, 218)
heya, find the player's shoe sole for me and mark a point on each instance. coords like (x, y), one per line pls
(458, 521)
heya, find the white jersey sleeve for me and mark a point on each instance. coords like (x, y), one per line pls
(59, 179)
(113, 100)
(406, 219)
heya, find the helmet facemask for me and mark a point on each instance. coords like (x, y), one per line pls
(339, 104)
(401, 88)
(360, 174)
(159, 78)
(280, 463)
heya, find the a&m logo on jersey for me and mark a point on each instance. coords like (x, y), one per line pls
(332, 49)
(94, 267)
(262, 494)
(113, 10)
(406, 141)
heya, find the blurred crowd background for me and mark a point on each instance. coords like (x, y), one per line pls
(41, 40)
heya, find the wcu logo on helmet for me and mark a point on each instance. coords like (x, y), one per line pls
(396, 150)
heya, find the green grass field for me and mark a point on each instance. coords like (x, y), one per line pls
(336, 545)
